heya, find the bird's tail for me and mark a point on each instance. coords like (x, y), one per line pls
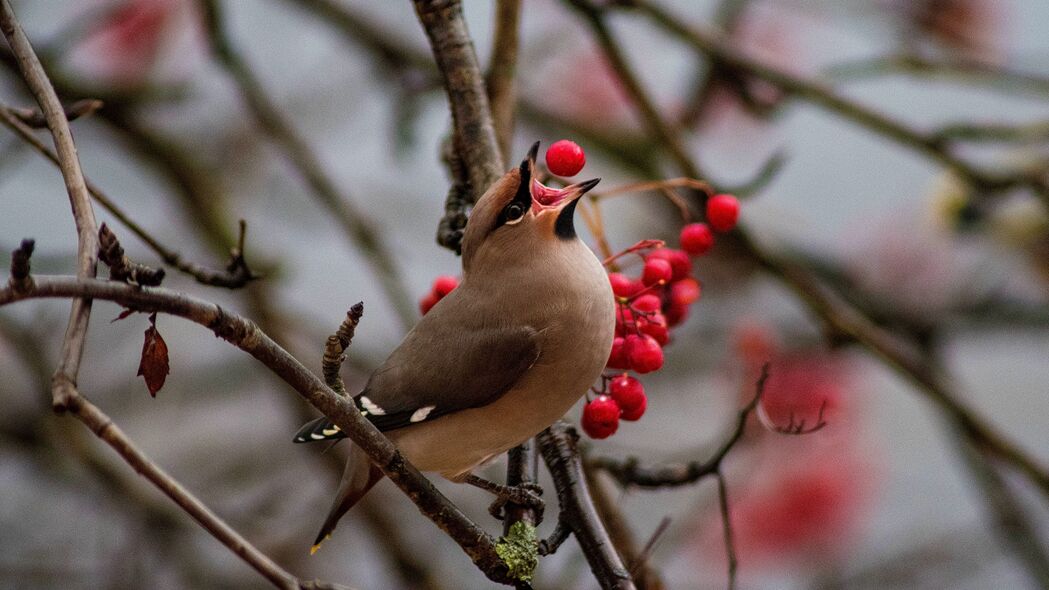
(358, 477)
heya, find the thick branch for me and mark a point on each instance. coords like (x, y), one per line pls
(558, 446)
(244, 334)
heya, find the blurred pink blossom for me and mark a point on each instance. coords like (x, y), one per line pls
(127, 45)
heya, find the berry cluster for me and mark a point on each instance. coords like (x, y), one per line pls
(647, 307)
(442, 286)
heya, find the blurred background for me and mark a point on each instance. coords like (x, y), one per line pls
(298, 100)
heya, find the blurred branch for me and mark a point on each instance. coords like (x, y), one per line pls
(844, 321)
(727, 17)
(64, 380)
(995, 132)
(558, 446)
(716, 48)
(608, 510)
(245, 335)
(111, 434)
(500, 80)
(1012, 525)
(237, 273)
(276, 127)
(968, 71)
(35, 119)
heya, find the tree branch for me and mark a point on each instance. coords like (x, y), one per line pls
(473, 134)
(353, 221)
(558, 446)
(244, 334)
(64, 380)
(502, 70)
(237, 273)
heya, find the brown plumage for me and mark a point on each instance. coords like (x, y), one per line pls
(502, 356)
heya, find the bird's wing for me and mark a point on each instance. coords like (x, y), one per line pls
(434, 373)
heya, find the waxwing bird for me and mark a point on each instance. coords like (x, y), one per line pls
(501, 357)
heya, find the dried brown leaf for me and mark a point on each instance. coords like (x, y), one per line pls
(154, 367)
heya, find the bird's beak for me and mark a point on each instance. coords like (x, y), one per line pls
(545, 198)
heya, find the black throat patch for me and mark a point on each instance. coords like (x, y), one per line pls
(564, 227)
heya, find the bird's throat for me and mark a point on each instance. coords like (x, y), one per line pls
(564, 227)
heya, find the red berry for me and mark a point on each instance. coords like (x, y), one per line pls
(656, 270)
(622, 285)
(722, 212)
(679, 261)
(676, 313)
(697, 239)
(655, 325)
(684, 292)
(444, 285)
(601, 417)
(617, 358)
(647, 302)
(636, 413)
(565, 158)
(428, 302)
(644, 353)
(627, 391)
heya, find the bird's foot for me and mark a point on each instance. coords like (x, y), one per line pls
(526, 494)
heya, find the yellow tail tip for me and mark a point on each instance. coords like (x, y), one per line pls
(317, 547)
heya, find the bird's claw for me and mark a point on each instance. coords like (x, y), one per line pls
(526, 494)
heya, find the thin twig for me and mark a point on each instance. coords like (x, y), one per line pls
(842, 319)
(65, 375)
(354, 222)
(993, 76)
(35, 119)
(335, 348)
(111, 434)
(726, 526)
(629, 473)
(235, 276)
(712, 45)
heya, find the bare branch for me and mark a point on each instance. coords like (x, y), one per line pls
(629, 473)
(244, 334)
(354, 222)
(87, 230)
(500, 80)
(34, 118)
(335, 348)
(237, 273)
(121, 268)
(558, 446)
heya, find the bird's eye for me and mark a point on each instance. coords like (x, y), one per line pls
(513, 212)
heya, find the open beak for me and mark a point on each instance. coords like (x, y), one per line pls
(544, 197)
